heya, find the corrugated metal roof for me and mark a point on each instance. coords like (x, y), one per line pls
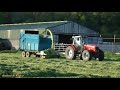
(31, 25)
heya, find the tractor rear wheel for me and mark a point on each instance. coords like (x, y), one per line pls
(101, 55)
(86, 55)
(23, 54)
(28, 54)
(70, 53)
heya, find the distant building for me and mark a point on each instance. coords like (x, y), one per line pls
(62, 31)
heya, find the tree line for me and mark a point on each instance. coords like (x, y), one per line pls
(105, 23)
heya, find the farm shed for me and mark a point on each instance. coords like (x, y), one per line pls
(62, 31)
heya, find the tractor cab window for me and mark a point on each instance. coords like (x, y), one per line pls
(85, 40)
(77, 41)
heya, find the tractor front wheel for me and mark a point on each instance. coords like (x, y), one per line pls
(86, 55)
(70, 53)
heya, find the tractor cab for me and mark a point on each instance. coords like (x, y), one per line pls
(79, 40)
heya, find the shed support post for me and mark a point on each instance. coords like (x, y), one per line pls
(114, 38)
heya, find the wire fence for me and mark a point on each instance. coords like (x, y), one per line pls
(115, 38)
(111, 42)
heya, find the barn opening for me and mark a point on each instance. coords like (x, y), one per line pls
(64, 38)
(31, 32)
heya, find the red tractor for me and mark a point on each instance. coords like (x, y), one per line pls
(80, 47)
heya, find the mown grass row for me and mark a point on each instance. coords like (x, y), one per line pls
(12, 65)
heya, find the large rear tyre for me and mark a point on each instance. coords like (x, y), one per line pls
(101, 55)
(70, 53)
(86, 55)
(23, 54)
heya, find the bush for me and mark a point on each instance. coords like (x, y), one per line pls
(51, 53)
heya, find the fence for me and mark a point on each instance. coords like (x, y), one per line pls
(110, 48)
(60, 47)
(110, 42)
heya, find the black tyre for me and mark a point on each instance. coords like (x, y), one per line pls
(70, 53)
(86, 55)
(23, 54)
(28, 54)
(81, 58)
(101, 55)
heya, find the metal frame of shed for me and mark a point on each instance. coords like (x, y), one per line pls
(56, 27)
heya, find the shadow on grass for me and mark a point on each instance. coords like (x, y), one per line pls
(53, 73)
(117, 59)
(8, 51)
(6, 69)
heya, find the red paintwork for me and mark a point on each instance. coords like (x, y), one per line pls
(74, 47)
(90, 47)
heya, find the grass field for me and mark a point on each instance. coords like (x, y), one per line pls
(12, 65)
